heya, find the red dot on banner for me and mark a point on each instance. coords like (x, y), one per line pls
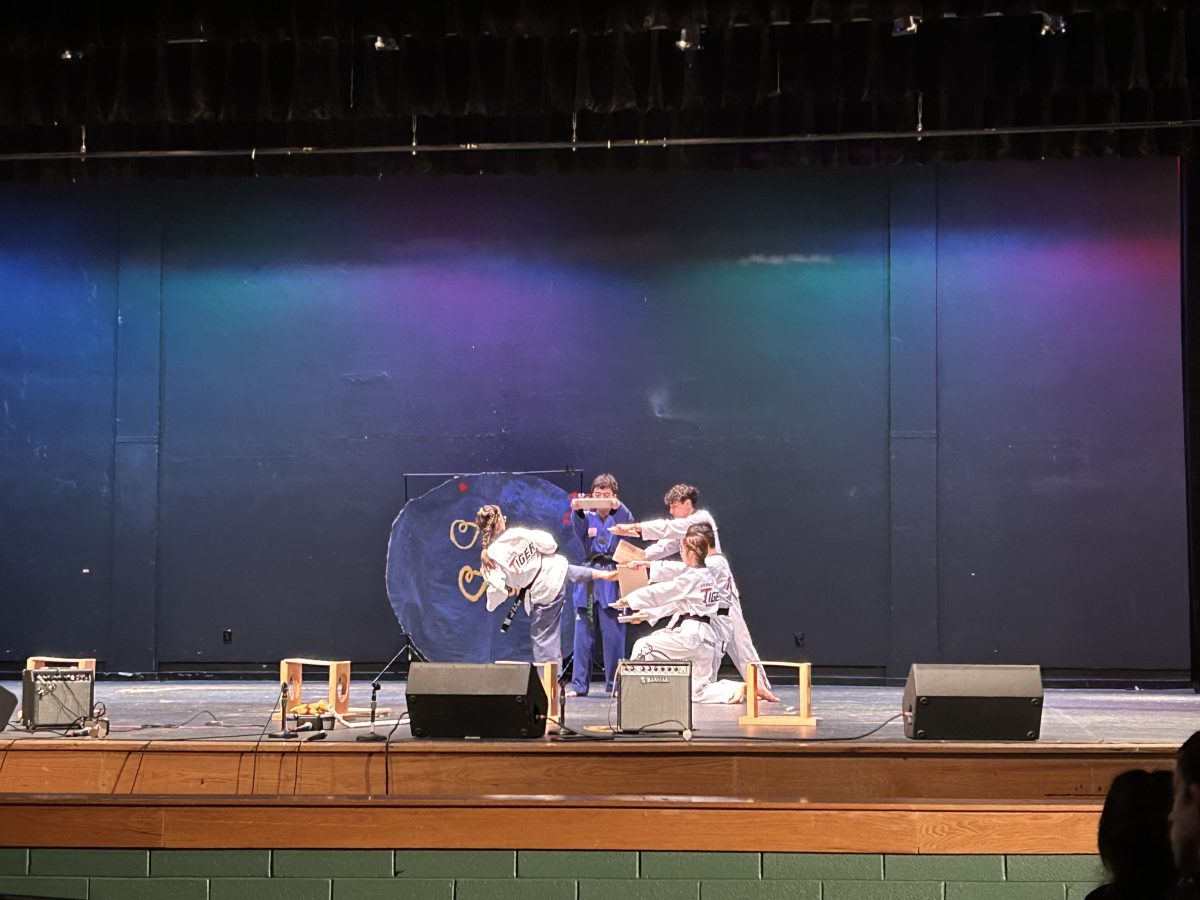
(462, 487)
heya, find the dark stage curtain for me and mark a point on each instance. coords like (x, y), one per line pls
(212, 76)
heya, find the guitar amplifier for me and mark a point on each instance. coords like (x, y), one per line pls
(654, 696)
(56, 698)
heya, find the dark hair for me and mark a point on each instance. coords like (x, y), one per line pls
(1135, 834)
(604, 481)
(1188, 761)
(486, 520)
(681, 492)
(698, 544)
(703, 528)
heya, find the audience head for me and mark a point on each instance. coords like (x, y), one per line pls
(1185, 812)
(1135, 839)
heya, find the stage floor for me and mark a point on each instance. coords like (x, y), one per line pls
(240, 710)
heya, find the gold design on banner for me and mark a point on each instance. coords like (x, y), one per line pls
(465, 576)
(463, 527)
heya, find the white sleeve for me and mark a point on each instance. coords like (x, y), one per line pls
(658, 529)
(497, 590)
(653, 595)
(653, 605)
(495, 577)
(666, 570)
(662, 550)
(675, 529)
(654, 613)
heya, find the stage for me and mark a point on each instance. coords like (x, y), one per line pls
(214, 710)
(187, 765)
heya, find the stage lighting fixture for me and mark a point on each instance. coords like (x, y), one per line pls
(684, 43)
(905, 25)
(187, 33)
(857, 10)
(385, 43)
(1053, 26)
(821, 13)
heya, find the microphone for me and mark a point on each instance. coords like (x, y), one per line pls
(319, 736)
(78, 732)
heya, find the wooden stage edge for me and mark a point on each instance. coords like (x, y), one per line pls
(778, 796)
(545, 823)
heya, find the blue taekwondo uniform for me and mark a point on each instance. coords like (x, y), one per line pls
(594, 615)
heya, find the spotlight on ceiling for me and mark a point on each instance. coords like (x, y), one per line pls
(684, 43)
(385, 44)
(1053, 25)
(905, 25)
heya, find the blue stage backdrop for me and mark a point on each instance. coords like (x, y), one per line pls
(433, 578)
(936, 410)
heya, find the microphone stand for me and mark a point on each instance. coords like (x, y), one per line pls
(287, 733)
(373, 735)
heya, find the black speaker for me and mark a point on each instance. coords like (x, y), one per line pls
(8, 703)
(486, 700)
(973, 703)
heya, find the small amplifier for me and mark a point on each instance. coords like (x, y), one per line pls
(654, 696)
(56, 698)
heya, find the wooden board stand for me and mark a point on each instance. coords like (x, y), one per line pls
(291, 673)
(59, 662)
(801, 717)
(549, 674)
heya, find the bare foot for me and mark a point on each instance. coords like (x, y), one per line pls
(765, 694)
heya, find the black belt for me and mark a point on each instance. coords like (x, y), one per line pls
(519, 599)
(705, 619)
(723, 611)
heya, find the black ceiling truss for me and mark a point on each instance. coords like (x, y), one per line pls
(546, 86)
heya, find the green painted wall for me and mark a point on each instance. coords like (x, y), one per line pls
(536, 875)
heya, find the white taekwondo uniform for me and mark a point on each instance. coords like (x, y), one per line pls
(690, 599)
(668, 533)
(733, 635)
(526, 558)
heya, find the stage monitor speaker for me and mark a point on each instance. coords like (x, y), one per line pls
(8, 703)
(973, 703)
(484, 700)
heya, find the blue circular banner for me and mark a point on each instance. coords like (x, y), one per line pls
(433, 579)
